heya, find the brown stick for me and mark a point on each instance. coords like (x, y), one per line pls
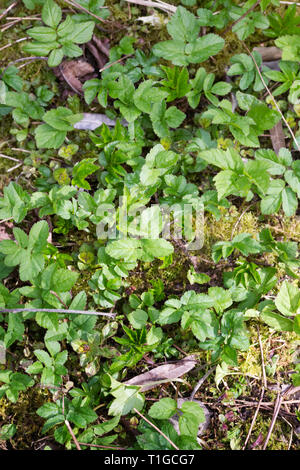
(201, 381)
(56, 310)
(270, 94)
(8, 9)
(102, 447)
(262, 360)
(243, 16)
(254, 418)
(72, 434)
(115, 62)
(75, 4)
(13, 43)
(156, 429)
(277, 407)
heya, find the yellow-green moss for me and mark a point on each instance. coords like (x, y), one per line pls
(222, 230)
(23, 415)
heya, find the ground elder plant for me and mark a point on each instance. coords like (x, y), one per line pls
(149, 225)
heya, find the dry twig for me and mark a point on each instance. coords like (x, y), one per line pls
(156, 429)
(80, 7)
(55, 310)
(270, 94)
(243, 16)
(201, 381)
(72, 434)
(8, 10)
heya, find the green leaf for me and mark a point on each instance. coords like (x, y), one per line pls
(38, 236)
(48, 137)
(11, 78)
(42, 34)
(138, 318)
(188, 425)
(35, 368)
(183, 25)
(83, 169)
(58, 118)
(195, 409)
(172, 50)
(107, 426)
(63, 280)
(91, 89)
(7, 431)
(126, 399)
(51, 13)
(198, 278)
(127, 249)
(204, 47)
(55, 58)
(288, 299)
(43, 357)
(276, 321)
(40, 48)
(289, 202)
(165, 408)
(82, 32)
(158, 248)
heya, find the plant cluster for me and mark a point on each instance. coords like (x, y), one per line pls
(182, 135)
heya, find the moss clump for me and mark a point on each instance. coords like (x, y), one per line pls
(173, 276)
(285, 343)
(23, 415)
(222, 230)
(285, 228)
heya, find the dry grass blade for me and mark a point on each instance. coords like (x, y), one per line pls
(72, 434)
(55, 310)
(156, 429)
(254, 418)
(115, 62)
(13, 43)
(13, 5)
(270, 94)
(80, 7)
(262, 360)
(264, 378)
(201, 382)
(274, 418)
(243, 16)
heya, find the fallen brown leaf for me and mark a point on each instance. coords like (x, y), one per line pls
(166, 373)
(71, 72)
(277, 137)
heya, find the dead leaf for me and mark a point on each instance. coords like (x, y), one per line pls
(269, 54)
(166, 373)
(3, 233)
(73, 70)
(277, 137)
(100, 51)
(91, 121)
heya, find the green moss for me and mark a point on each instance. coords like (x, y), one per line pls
(173, 276)
(284, 342)
(23, 415)
(222, 230)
